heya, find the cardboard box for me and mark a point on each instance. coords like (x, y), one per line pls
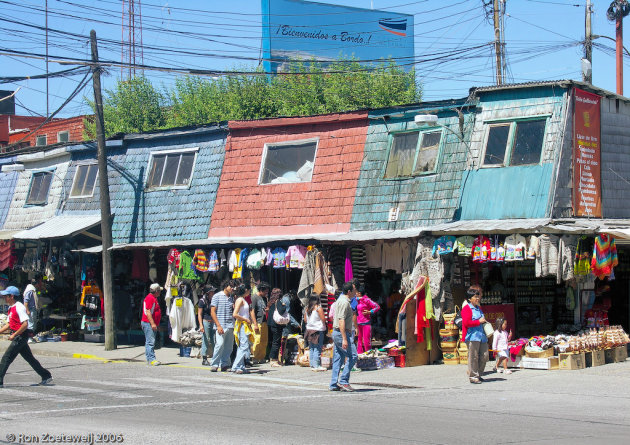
(616, 355)
(539, 363)
(571, 361)
(594, 358)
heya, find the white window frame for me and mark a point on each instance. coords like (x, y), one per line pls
(421, 132)
(279, 144)
(76, 174)
(59, 133)
(509, 149)
(149, 188)
(30, 188)
(45, 136)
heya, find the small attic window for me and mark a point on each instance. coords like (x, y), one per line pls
(41, 140)
(40, 186)
(171, 169)
(288, 162)
(84, 181)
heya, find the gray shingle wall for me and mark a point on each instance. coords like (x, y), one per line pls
(615, 161)
(178, 214)
(7, 186)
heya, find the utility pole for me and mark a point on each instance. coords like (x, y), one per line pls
(46, 26)
(619, 53)
(498, 50)
(103, 183)
(588, 42)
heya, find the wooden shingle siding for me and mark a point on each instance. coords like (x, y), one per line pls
(615, 161)
(174, 214)
(422, 200)
(8, 180)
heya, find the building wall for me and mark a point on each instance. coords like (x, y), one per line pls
(74, 125)
(323, 205)
(86, 154)
(516, 191)
(22, 216)
(422, 200)
(9, 123)
(177, 214)
(7, 186)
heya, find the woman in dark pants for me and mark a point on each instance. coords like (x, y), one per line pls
(275, 330)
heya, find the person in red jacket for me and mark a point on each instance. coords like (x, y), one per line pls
(18, 324)
(474, 335)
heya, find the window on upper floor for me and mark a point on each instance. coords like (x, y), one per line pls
(84, 181)
(63, 136)
(514, 143)
(40, 186)
(288, 162)
(413, 153)
(41, 140)
(172, 169)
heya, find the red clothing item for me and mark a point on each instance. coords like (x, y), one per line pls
(151, 305)
(481, 249)
(467, 321)
(17, 316)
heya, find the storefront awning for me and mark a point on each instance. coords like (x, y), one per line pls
(95, 249)
(358, 236)
(477, 226)
(59, 227)
(7, 234)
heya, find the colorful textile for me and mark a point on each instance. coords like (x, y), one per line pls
(255, 260)
(443, 245)
(463, 244)
(348, 276)
(186, 271)
(515, 248)
(140, 265)
(583, 256)
(213, 262)
(481, 249)
(278, 254)
(295, 257)
(173, 257)
(604, 256)
(200, 262)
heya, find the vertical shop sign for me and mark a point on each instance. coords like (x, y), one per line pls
(587, 193)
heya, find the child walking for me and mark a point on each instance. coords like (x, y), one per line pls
(500, 345)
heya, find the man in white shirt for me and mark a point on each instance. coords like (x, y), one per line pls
(18, 324)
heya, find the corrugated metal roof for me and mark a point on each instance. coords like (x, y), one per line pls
(60, 226)
(478, 226)
(7, 234)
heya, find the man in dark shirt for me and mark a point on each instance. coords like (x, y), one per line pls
(206, 325)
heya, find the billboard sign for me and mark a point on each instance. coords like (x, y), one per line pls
(295, 29)
(587, 190)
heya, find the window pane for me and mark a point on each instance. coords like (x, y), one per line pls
(185, 168)
(289, 163)
(43, 190)
(427, 156)
(41, 140)
(155, 175)
(497, 142)
(79, 180)
(90, 180)
(170, 170)
(528, 142)
(63, 136)
(36, 184)
(401, 155)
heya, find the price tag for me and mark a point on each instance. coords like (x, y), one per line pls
(174, 291)
(178, 302)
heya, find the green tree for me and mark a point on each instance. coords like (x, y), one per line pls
(133, 106)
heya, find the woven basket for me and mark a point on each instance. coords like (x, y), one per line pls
(454, 332)
(448, 355)
(463, 360)
(448, 344)
(542, 354)
(451, 361)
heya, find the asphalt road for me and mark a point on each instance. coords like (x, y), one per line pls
(134, 403)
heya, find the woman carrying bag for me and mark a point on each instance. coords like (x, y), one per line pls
(474, 335)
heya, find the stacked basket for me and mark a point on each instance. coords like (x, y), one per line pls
(449, 340)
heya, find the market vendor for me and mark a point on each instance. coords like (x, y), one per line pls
(474, 335)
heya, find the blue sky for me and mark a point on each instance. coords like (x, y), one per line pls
(542, 42)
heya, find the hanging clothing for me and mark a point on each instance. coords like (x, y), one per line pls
(235, 263)
(279, 258)
(140, 265)
(443, 245)
(359, 262)
(373, 255)
(295, 257)
(547, 256)
(186, 271)
(348, 276)
(181, 317)
(200, 261)
(566, 255)
(515, 248)
(173, 257)
(604, 256)
(464, 244)
(392, 257)
(532, 247)
(583, 256)
(481, 249)
(213, 261)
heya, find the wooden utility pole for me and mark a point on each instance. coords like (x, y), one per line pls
(103, 183)
(588, 42)
(498, 50)
(619, 53)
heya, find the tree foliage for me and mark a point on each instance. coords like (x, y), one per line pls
(305, 88)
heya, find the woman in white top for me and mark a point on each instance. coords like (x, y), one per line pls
(315, 331)
(244, 317)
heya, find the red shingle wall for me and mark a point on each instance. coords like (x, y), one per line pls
(74, 125)
(11, 122)
(324, 205)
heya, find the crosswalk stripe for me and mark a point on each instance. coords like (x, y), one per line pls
(306, 386)
(100, 392)
(19, 393)
(186, 387)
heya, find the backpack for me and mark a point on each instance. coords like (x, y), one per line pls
(279, 319)
(92, 305)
